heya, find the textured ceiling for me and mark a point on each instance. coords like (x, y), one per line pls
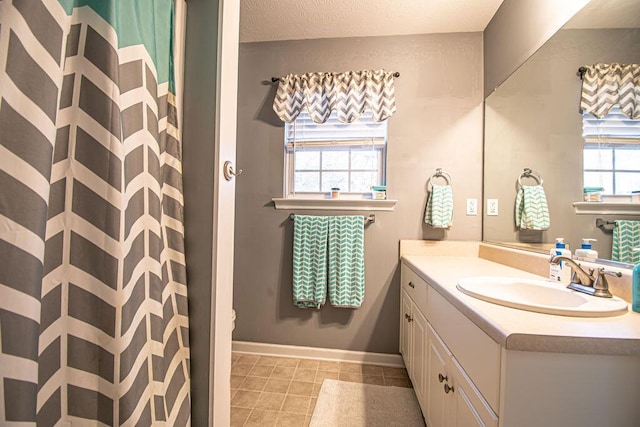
(266, 20)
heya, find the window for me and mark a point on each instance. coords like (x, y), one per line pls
(611, 152)
(348, 156)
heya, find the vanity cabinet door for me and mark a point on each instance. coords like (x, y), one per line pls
(469, 408)
(437, 376)
(405, 326)
(419, 355)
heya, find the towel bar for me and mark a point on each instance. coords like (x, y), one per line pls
(528, 173)
(604, 225)
(367, 220)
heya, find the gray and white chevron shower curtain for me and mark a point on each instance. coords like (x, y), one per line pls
(350, 94)
(93, 307)
(607, 85)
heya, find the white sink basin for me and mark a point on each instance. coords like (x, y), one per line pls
(540, 296)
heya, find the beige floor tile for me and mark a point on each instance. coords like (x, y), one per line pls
(373, 379)
(236, 380)
(261, 371)
(233, 392)
(322, 375)
(352, 368)
(397, 382)
(329, 366)
(248, 359)
(354, 378)
(371, 370)
(262, 418)
(253, 383)
(240, 369)
(286, 419)
(307, 375)
(267, 361)
(308, 420)
(282, 372)
(316, 389)
(288, 362)
(270, 401)
(312, 405)
(296, 404)
(234, 357)
(301, 388)
(239, 416)
(308, 364)
(395, 372)
(245, 399)
(276, 385)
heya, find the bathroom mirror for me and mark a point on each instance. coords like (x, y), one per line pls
(532, 120)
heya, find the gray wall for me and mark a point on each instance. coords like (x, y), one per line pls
(438, 124)
(517, 30)
(198, 174)
(532, 120)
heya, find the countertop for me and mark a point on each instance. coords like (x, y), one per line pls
(516, 329)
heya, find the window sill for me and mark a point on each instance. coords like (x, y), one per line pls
(606, 208)
(335, 204)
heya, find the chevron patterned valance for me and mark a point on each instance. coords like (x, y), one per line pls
(349, 93)
(607, 85)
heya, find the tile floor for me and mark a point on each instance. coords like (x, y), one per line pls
(282, 391)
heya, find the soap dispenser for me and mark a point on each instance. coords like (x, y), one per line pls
(560, 272)
(586, 252)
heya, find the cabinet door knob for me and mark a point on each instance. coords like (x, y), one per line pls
(406, 316)
(448, 388)
(410, 319)
(411, 285)
(442, 378)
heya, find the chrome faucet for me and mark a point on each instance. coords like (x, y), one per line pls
(593, 282)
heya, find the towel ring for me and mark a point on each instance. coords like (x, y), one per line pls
(528, 173)
(440, 174)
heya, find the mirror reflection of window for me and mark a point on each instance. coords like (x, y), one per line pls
(611, 155)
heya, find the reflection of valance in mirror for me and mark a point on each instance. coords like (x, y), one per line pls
(350, 94)
(607, 85)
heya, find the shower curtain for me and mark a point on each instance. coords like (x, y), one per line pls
(93, 307)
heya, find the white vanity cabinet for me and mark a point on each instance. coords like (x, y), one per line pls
(447, 395)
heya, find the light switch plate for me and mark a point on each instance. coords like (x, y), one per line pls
(492, 207)
(472, 207)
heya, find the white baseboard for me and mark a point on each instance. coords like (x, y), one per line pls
(316, 353)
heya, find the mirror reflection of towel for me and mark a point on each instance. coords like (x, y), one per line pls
(439, 212)
(626, 236)
(532, 211)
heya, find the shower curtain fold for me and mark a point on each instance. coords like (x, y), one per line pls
(93, 311)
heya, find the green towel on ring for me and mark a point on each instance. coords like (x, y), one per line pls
(346, 261)
(439, 211)
(531, 210)
(310, 260)
(626, 236)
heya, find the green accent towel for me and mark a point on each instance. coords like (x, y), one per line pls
(439, 211)
(626, 236)
(532, 211)
(310, 260)
(346, 261)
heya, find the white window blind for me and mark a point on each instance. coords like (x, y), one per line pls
(614, 127)
(348, 156)
(611, 156)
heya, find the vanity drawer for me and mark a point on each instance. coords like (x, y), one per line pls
(414, 286)
(477, 353)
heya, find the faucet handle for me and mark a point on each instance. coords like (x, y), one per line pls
(600, 283)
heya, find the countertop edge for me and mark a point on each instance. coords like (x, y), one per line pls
(530, 342)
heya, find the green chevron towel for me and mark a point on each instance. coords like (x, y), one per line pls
(532, 211)
(626, 236)
(346, 261)
(310, 260)
(439, 212)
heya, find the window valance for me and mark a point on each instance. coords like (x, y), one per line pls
(607, 85)
(349, 94)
